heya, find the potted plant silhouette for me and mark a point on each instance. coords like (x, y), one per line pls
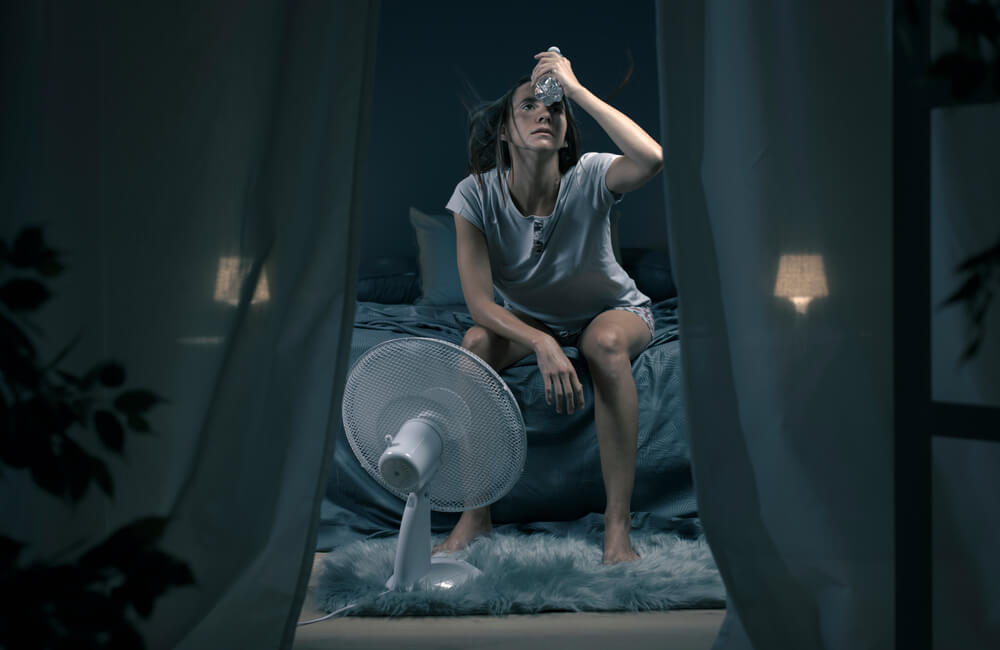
(89, 601)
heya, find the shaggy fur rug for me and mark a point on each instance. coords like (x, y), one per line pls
(525, 574)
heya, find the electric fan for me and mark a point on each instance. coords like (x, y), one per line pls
(436, 426)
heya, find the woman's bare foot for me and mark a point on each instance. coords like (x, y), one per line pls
(617, 546)
(472, 524)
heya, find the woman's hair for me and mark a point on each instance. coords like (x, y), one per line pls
(487, 151)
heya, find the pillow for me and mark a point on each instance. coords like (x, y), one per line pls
(388, 280)
(650, 268)
(383, 267)
(390, 290)
(437, 258)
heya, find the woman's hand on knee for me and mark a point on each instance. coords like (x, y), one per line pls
(561, 382)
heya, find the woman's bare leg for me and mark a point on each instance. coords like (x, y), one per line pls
(499, 353)
(472, 524)
(609, 344)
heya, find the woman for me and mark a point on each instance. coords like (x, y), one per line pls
(532, 221)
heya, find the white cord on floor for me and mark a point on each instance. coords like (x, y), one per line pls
(338, 611)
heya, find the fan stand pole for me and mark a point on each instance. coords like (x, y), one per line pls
(414, 564)
(413, 551)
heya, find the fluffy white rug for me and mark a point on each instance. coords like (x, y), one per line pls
(525, 574)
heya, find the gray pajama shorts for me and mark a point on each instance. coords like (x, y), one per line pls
(570, 338)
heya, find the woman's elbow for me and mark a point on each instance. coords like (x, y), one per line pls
(653, 166)
(656, 161)
(650, 164)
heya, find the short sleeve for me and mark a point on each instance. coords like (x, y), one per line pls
(467, 201)
(595, 169)
(592, 169)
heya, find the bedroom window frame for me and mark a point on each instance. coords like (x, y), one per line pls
(918, 418)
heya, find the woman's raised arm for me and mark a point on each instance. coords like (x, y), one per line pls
(642, 157)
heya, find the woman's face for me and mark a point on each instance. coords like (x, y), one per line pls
(533, 125)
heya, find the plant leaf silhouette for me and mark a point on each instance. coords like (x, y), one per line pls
(136, 402)
(23, 294)
(112, 375)
(91, 601)
(110, 430)
(969, 289)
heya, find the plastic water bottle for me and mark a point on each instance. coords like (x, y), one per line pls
(547, 89)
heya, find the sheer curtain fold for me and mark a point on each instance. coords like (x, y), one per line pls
(199, 164)
(277, 398)
(777, 183)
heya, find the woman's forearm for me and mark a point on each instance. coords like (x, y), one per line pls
(633, 141)
(502, 322)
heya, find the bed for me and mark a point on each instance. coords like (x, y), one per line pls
(561, 486)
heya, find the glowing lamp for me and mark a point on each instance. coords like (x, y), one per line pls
(230, 277)
(800, 279)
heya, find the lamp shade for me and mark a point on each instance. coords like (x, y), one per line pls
(230, 278)
(800, 279)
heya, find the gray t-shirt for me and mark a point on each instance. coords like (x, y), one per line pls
(561, 268)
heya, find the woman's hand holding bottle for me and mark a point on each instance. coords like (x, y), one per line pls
(556, 65)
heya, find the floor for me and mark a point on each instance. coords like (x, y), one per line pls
(676, 630)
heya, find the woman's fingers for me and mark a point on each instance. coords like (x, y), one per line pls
(557, 390)
(562, 386)
(569, 391)
(547, 64)
(558, 66)
(567, 381)
(558, 394)
(573, 390)
(536, 74)
(554, 56)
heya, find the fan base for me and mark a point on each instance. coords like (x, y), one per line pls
(444, 573)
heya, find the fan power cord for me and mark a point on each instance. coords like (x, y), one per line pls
(338, 611)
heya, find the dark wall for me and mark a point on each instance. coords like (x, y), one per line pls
(426, 53)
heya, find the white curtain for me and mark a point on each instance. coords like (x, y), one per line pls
(776, 120)
(198, 163)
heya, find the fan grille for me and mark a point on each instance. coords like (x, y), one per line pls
(484, 443)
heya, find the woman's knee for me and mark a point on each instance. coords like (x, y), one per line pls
(477, 341)
(605, 345)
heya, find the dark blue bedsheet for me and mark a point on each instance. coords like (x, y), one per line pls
(562, 475)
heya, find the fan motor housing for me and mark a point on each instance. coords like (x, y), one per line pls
(413, 456)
